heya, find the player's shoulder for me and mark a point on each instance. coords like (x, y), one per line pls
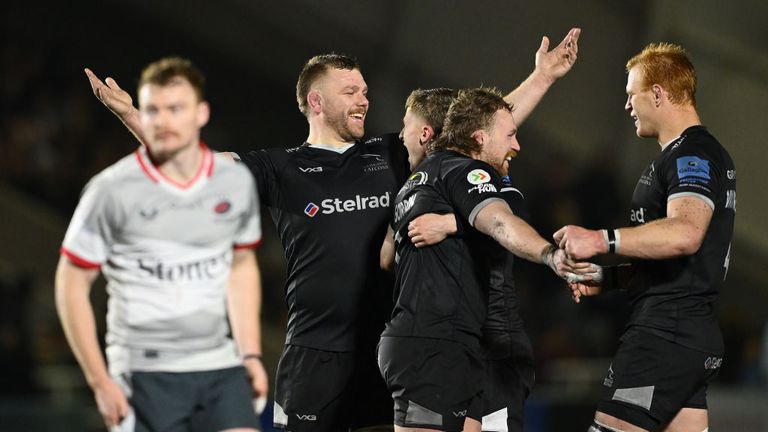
(454, 161)
(226, 163)
(385, 140)
(697, 141)
(126, 167)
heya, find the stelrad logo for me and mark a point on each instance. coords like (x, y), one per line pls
(337, 205)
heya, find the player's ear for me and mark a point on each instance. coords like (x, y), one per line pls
(427, 134)
(203, 114)
(315, 101)
(479, 136)
(658, 94)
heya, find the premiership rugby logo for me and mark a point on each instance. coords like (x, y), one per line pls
(478, 176)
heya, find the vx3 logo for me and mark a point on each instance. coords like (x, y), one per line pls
(311, 169)
(306, 417)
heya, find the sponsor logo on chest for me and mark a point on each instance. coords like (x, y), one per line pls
(638, 215)
(337, 205)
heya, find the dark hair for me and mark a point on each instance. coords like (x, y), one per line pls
(163, 71)
(315, 68)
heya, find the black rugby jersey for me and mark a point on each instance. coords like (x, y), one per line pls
(503, 330)
(441, 293)
(331, 211)
(674, 298)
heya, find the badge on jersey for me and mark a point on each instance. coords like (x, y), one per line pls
(311, 209)
(693, 168)
(478, 176)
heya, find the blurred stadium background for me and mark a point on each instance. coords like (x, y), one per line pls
(579, 162)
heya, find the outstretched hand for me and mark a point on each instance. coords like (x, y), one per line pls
(111, 95)
(556, 63)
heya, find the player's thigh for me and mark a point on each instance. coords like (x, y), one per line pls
(507, 383)
(689, 420)
(435, 383)
(226, 402)
(312, 389)
(651, 379)
(161, 400)
(371, 402)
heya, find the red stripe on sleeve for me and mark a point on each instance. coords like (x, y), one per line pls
(253, 245)
(80, 262)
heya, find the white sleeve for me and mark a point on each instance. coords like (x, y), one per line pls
(89, 235)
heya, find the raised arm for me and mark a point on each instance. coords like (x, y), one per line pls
(550, 66)
(73, 286)
(679, 234)
(118, 101)
(244, 306)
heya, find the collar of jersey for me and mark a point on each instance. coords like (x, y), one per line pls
(329, 148)
(149, 168)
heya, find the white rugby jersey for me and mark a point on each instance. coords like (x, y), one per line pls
(166, 252)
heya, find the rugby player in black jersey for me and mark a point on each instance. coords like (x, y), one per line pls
(678, 239)
(507, 351)
(330, 199)
(429, 353)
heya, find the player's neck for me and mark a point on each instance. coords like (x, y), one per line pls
(321, 134)
(676, 122)
(183, 165)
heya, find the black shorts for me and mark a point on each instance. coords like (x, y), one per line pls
(330, 391)
(651, 379)
(509, 378)
(435, 383)
(371, 400)
(189, 401)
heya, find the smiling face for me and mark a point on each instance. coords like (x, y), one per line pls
(171, 116)
(499, 140)
(641, 104)
(344, 102)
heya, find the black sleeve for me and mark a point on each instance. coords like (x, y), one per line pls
(261, 165)
(470, 187)
(515, 198)
(692, 171)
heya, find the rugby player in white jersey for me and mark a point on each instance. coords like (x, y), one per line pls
(172, 227)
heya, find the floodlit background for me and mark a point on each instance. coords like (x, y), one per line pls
(579, 163)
